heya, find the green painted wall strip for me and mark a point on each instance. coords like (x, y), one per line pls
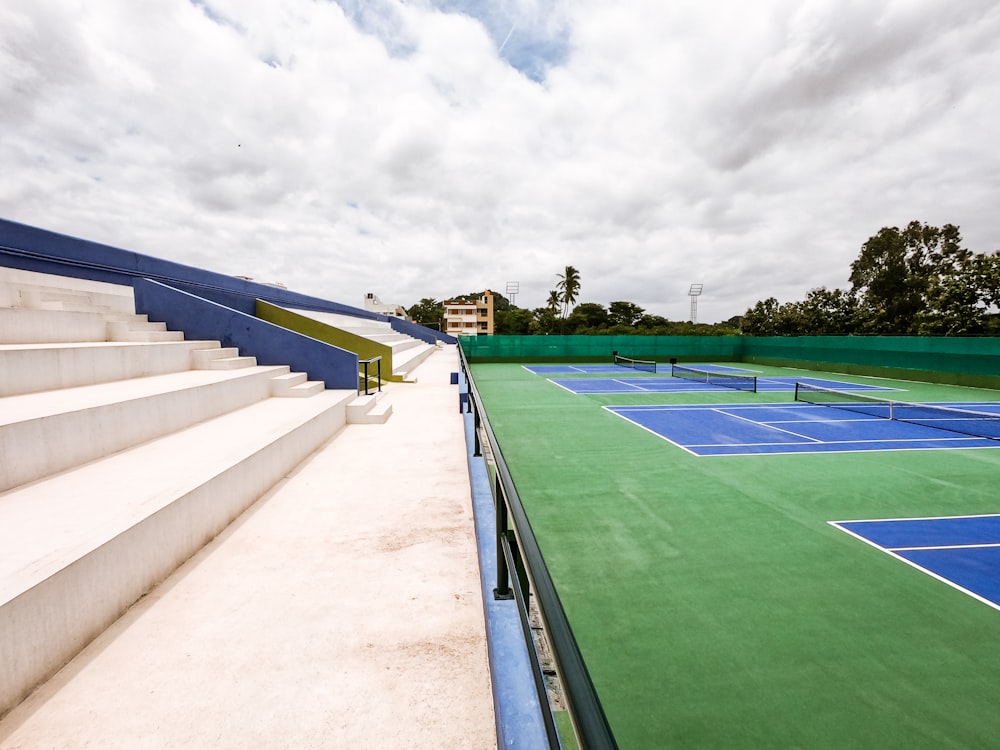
(364, 348)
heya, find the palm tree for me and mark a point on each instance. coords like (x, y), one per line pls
(570, 286)
(554, 301)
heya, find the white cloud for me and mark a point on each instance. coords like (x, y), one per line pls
(437, 147)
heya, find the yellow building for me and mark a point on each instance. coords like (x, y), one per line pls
(463, 317)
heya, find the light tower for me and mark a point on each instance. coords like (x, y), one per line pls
(694, 293)
(512, 289)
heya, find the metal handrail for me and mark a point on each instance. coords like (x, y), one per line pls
(518, 552)
(378, 372)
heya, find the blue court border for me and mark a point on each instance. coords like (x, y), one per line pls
(961, 551)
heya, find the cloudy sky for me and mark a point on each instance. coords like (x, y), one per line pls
(425, 148)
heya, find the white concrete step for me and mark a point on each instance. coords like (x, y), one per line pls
(141, 330)
(398, 347)
(385, 338)
(41, 433)
(408, 360)
(31, 368)
(373, 408)
(295, 385)
(223, 358)
(348, 322)
(26, 326)
(33, 326)
(30, 289)
(78, 548)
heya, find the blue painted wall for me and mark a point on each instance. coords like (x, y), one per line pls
(270, 344)
(203, 304)
(34, 249)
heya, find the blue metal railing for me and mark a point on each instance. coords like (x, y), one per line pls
(521, 572)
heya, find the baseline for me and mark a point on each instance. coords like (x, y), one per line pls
(961, 551)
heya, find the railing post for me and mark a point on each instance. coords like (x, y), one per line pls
(378, 369)
(477, 448)
(503, 590)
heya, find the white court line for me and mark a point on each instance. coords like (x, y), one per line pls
(653, 432)
(769, 426)
(919, 518)
(921, 568)
(942, 546)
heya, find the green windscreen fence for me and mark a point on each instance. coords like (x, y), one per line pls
(963, 361)
(597, 348)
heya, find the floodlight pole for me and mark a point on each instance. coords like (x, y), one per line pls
(694, 293)
(513, 287)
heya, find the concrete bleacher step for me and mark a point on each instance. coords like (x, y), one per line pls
(222, 358)
(20, 325)
(31, 368)
(373, 408)
(83, 423)
(30, 289)
(407, 361)
(295, 385)
(141, 330)
(28, 326)
(79, 547)
(407, 342)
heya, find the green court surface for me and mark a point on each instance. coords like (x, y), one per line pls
(713, 602)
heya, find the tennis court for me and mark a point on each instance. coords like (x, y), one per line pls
(726, 603)
(758, 429)
(657, 384)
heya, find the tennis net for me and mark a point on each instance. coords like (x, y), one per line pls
(735, 380)
(647, 365)
(952, 419)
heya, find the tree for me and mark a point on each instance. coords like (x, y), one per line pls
(918, 280)
(554, 302)
(515, 321)
(957, 302)
(589, 317)
(544, 320)
(569, 287)
(759, 320)
(648, 322)
(428, 312)
(895, 270)
(828, 313)
(623, 313)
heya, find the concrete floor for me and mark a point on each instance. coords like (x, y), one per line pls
(343, 610)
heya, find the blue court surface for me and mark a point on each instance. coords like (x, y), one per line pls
(962, 551)
(667, 384)
(662, 368)
(769, 429)
(580, 369)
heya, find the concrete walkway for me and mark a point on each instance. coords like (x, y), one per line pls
(343, 610)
